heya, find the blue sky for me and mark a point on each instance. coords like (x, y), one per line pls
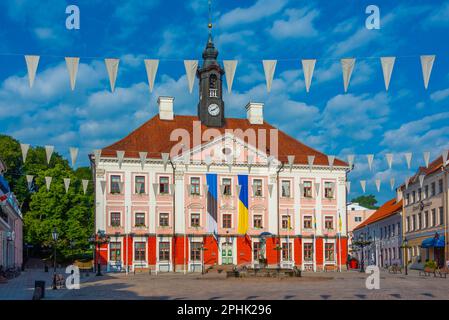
(366, 120)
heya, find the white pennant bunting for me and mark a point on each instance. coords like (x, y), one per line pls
(270, 189)
(269, 66)
(48, 182)
(85, 184)
(103, 186)
(112, 68)
(32, 63)
(444, 156)
(426, 158)
(49, 152)
(301, 189)
(208, 162)
(291, 160)
(387, 69)
(426, 65)
(120, 157)
(351, 158)
(421, 180)
(363, 185)
(310, 160)
(238, 188)
(29, 181)
(230, 66)
(143, 158)
(317, 188)
(191, 66)
(97, 154)
(165, 157)
(330, 160)
(378, 182)
(121, 185)
(250, 162)
(72, 68)
(407, 181)
(66, 184)
(73, 155)
(24, 148)
(308, 65)
(370, 158)
(206, 188)
(222, 189)
(408, 159)
(347, 66)
(348, 186)
(389, 157)
(172, 188)
(155, 187)
(151, 66)
(392, 183)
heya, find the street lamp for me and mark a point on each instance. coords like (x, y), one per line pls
(54, 235)
(405, 246)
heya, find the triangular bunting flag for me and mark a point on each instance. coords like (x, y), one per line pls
(291, 159)
(29, 181)
(363, 185)
(270, 189)
(250, 162)
(48, 182)
(73, 155)
(301, 189)
(85, 184)
(348, 186)
(347, 66)
(387, 69)
(120, 157)
(191, 66)
(66, 184)
(407, 181)
(172, 188)
(269, 66)
(143, 158)
(151, 67)
(351, 158)
(444, 156)
(230, 67)
(392, 183)
(49, 152)
(389, 157)
(310, 160)
(24, 148)
(103, 186)
(330, 160)
(32, 63)
(421, 180)
(165, 157)
(426, 65)
(370, 158)
(72, 68)
(97, 154)
(408, 159)
(238, 188)
(378, 182)
(208, 162)
(308, 65)
(121, 186)
(155, 187)
(317, 188)
(222, 189)
(112, 68)
(206, 188)
(426, 158)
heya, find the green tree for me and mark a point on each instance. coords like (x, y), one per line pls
(71, 213)
(368, 201)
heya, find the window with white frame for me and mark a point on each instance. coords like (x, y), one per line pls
(329, 252)
(227, 190)
(285, 189)
(195, 220)
(329, 190)
(195, 251)
(257, 187)
(308, 252)
(115, 219)
(139, 219)
(329, 223)
(257, 221)
(307, 191)
(286, 251)
(139, 251)
(195, 186)
(115, 252)
(286, 222)
(307, 222)
(163, 185)
(227, 221)
(139, 184)
(163, 220)
(164, 251)
(115, 184)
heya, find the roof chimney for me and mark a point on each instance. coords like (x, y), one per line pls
(165, 108)
(254, 112)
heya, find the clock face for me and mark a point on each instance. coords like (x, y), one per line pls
(213, 109)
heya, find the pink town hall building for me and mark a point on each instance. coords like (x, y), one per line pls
(184, 193)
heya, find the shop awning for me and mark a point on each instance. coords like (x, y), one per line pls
(434, 242)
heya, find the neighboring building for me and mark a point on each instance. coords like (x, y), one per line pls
(384, 229)
(356, 215)
(426, 211)
(171, 198)
(11, 224)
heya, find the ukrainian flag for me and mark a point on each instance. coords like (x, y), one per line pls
(243, 204)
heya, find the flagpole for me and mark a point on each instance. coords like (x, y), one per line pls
(185, 236)
(314, 239)
(339, 240)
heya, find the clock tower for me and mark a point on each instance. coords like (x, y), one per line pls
(211, 105)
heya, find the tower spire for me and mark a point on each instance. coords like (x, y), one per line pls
(210, 19)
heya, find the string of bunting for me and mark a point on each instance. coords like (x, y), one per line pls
(230, 66)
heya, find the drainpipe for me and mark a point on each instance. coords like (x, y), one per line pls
(281, 168)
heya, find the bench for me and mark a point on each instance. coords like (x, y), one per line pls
(443, 272)
(84, 266)
(330, 267)
(395, 269)
(427, 271)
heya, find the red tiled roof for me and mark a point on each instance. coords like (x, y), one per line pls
(154, 137)
(388, 209)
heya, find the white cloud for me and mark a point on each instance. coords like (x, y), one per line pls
(299, 24)
(439, 95)
(261, 9)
